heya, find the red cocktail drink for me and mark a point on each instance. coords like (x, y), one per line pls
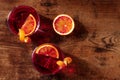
(34, 26)
(49, 59)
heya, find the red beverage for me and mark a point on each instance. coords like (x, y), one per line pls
(45, 58)
(18, 15)
(36, 27)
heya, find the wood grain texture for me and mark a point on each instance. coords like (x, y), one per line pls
(94, 45)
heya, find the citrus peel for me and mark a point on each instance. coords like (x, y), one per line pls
(29, 25)
(65, 62)
(22, 36)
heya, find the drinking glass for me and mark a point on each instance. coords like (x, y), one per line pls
(45, 59)
(43, 31)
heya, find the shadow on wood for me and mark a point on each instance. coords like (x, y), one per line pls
(80, 32)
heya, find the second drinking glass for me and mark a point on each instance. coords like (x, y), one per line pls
(49, 59)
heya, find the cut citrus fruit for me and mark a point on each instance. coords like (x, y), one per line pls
(21, 35)
(63, 24)
(48, 50)
(29, 25)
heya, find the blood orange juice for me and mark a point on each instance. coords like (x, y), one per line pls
(25, 22)
(49, 59)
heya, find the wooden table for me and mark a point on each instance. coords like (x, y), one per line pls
(94, 45)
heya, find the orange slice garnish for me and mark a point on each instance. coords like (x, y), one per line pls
(27, 28)
(63, 24)
(29, 25)
(22, 36)
(48, 50)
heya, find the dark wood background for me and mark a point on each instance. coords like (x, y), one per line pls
(94, 45)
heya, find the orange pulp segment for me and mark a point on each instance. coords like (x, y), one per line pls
(63, 24)
(48, 50)
(29, 25)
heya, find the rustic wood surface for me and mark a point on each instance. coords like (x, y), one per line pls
(94, 45)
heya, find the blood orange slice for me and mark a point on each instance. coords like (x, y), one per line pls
(48, 50)
(63, 24)
(29, 25)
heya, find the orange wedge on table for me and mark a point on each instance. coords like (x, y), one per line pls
(47, 50)
(27, 28)
(63, 24)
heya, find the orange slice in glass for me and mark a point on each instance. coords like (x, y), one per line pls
(63, 24)
(29, 25)
(48, 50)
(64, 63)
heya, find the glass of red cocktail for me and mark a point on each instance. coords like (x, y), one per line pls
(29, 26)
(49, 59)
